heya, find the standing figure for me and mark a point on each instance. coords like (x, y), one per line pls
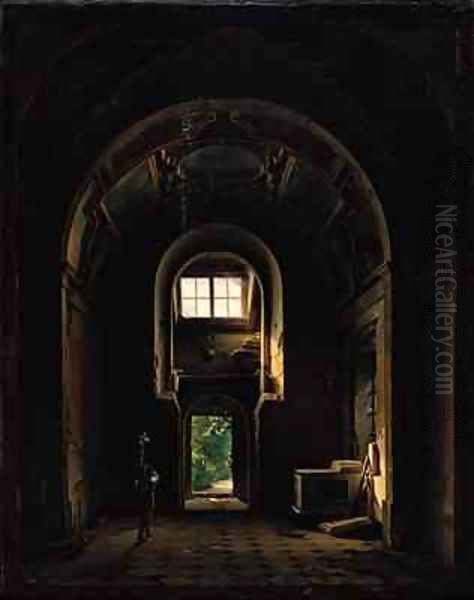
(146, 486)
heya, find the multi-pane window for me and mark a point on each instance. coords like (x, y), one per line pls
(211, 297)
(195, 297)
(227, 295)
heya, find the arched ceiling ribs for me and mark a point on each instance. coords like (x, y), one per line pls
(154, 172)
(232, 160)
(116, 231)
(336, 210)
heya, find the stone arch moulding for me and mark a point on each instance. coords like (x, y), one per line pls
(247, 248)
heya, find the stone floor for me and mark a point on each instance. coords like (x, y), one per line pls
(235, 555)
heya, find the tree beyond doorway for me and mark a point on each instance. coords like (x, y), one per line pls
(211, 452)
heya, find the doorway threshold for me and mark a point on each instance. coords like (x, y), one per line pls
(209, 503)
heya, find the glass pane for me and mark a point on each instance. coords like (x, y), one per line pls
(220, 308)
(235, 307)
(188, 308)
(188, 287)
(220, 287)
(204, 307)
(203, 287)
(235, 287)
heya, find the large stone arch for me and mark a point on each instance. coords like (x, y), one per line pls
(148, 147)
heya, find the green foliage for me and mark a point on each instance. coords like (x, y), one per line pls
(211, 440)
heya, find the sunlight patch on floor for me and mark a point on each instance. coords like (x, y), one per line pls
(215, 503)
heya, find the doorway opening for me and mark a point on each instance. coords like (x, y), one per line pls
(212, 456)
(216, 450)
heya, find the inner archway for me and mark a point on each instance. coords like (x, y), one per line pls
(242, 357)
(243, 252)
(218, 318)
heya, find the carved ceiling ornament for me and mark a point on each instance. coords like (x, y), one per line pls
(168, 179)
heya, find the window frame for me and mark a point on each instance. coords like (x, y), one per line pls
(196, 297)
(224, 322)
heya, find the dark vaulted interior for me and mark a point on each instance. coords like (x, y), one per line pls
(255, 215)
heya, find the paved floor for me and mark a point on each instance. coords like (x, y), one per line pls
(233, 551)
